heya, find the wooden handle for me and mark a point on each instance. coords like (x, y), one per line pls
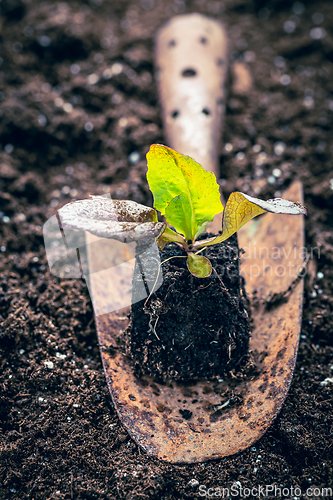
(191, 59)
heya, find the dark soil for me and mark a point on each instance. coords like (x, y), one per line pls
(191, 328)
(65, 134)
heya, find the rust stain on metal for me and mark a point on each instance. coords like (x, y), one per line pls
(155, 414)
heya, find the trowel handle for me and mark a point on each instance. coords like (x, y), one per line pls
(191, 61)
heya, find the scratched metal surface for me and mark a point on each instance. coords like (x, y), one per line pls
(151, 411)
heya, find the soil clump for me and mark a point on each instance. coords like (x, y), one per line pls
(191, 328)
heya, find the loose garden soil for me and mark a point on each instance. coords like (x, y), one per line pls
(79, 110)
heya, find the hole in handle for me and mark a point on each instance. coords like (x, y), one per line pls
(174, 114)
(206, 111)
(189, 72)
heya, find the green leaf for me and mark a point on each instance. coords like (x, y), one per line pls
(122, 220)
(169, 236)
(179, 214)
(173, 175)
(241, 208)
(199, 266)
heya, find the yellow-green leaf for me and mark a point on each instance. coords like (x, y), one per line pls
(199, 266)
(173, 175)
(241, 208)
(238, 211)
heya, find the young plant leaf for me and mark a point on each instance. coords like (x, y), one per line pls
(169, 236)
(241, 208)
(198, 265)
(121, 220)
(173, 175)
(179, 214)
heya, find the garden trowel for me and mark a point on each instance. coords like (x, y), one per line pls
(209, 419)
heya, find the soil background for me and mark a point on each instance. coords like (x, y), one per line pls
(79, 110)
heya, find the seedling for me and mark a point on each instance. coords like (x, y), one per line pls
(205, 314)
(187, 196)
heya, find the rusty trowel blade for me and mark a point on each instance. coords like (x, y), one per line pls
(212, 427)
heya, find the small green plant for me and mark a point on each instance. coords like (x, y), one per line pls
(186, 195)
